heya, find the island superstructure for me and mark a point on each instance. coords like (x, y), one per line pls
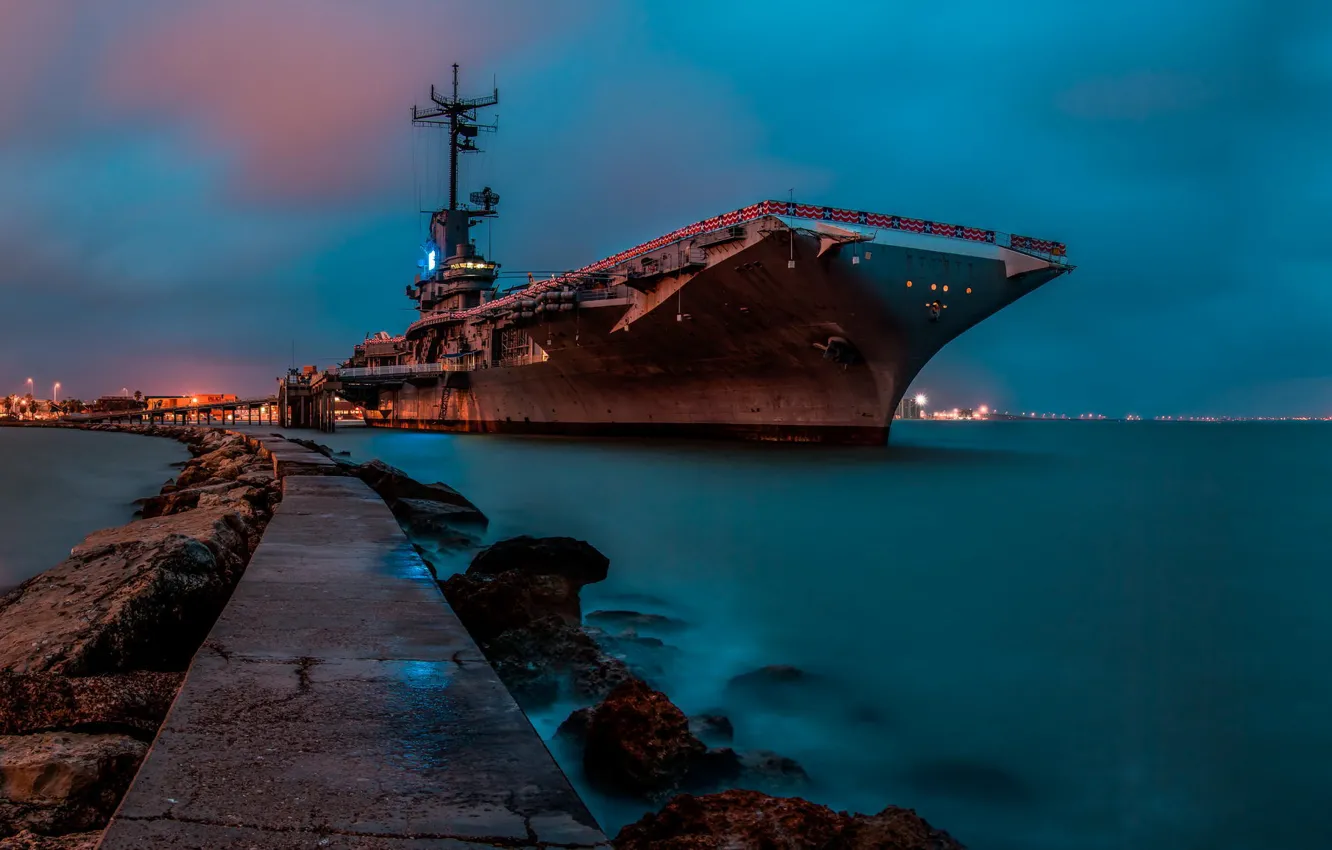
(777, 321)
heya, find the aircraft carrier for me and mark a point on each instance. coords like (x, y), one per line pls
(778, 321)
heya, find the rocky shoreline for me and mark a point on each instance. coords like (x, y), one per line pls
(519, 600)
(94, 650)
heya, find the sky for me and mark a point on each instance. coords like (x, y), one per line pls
(194, 191)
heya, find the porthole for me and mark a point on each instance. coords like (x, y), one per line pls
(934, 286)
(908, 284)
(968, 290)
(945, 287)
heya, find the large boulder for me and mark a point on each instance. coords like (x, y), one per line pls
(32, 841)
(733, 819)
(576, 560)
(178, 499)
(141, 596)
(131, 702)
(57, 782)
(893, 829)
(434, 519)
(638, 742)
(490, 605)
(393, 484)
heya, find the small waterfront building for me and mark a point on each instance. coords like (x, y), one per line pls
(116, 404)
(167, 402)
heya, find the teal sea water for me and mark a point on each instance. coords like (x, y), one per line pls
(57, 486)
(1040, 635)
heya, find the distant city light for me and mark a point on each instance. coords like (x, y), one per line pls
(984, 409)
(921, 399)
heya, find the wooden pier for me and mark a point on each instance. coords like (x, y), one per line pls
(308, 401)
(250, 411)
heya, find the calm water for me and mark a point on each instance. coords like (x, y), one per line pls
(1042, 636)
(57, 486)
(1069, 636)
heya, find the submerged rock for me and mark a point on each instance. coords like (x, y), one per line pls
(131, 702)
(778, 686)
(712, 728)
(771, 771)
(490, 605)
(649, 658)
(774, 675)
(966, 779)
(639, 742)
(519, 599)
(760, 770)
(539, 661)
(742, 819)
(57, 782)
(635, 620)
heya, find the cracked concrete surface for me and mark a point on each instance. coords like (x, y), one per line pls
(338, 702)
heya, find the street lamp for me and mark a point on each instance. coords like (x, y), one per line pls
(30, 386)
(55, 392)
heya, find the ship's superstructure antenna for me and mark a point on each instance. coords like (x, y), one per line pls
(454, 275)
(460, 116)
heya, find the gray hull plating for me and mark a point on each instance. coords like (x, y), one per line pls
(735, 350)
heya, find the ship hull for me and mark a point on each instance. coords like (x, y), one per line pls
(736, 351)
(840, 435)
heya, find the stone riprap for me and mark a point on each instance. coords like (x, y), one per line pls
(338, 702)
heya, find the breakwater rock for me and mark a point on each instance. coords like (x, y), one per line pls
(750, 819)
(422, 508)
(519, 601)
(94, 649)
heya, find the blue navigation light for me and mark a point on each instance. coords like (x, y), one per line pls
(430, 262)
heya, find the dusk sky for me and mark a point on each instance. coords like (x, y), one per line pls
(187, 189)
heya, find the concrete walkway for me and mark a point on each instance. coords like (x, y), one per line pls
(338, 702)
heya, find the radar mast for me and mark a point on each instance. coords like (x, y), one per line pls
(449, 226)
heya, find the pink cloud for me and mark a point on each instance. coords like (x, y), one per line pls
(308, 98)
(31, 35)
